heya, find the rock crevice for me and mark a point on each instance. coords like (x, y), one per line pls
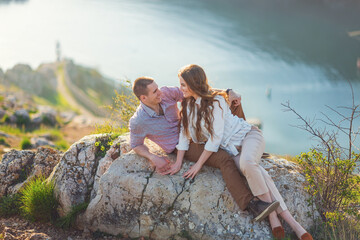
(126, 195)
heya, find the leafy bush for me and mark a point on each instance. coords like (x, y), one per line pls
(330, 171)
(46, 120)
(25, 143)
(3, 142)
(69, 219)
(38, 200)
(103, 144)
(6, 118)
(22, 121)
(123, 107)
(331, 182)
(10, 205)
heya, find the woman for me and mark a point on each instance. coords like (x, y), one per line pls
(206, 118)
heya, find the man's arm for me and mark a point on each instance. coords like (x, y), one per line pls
(161, 163)
(173, 93)
(234, 100)
(137, 137)
(233, 97)
(235, 104)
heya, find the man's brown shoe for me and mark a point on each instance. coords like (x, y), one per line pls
(278, 233)
(261, 209)
(306, 236)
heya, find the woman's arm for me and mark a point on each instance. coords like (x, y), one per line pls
(198, 165)
(182, 146)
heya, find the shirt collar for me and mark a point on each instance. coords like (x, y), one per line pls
(198, 101)
(148, 110)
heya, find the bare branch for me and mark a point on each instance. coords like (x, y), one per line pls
(336, 111)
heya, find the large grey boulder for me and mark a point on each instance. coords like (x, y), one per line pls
(75, 173)
(125, 195)
(22, 115)
(47, 115)
(10, 101)
(18, 167)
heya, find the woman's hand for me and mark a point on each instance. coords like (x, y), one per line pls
(174, 168)
(191, 173)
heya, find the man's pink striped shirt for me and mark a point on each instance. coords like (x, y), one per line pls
(161, 129)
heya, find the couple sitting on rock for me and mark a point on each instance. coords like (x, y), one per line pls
(211, 133)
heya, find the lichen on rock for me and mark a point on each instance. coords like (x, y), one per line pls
(18, 167)
(126, 196)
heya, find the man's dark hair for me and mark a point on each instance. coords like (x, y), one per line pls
(140, 86)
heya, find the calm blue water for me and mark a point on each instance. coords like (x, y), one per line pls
(300, 50)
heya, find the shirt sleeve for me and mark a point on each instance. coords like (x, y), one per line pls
(137, 134)
(213, 143)
(183, 140)
(173, 93)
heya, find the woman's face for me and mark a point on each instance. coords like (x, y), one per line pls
(185, 89)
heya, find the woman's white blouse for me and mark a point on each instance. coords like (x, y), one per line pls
(228, 130)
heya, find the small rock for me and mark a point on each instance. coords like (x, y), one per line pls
(22, 113)
(2, 113)
(3, 134)
(40, 141)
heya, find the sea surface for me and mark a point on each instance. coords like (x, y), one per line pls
(270, 51)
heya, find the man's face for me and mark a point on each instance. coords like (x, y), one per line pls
(153, 96)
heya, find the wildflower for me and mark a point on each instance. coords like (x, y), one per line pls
(97, 144)
(102, 148)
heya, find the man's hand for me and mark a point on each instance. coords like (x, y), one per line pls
(234, 98)
(162, 164)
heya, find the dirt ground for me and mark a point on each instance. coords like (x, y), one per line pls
(21, 229)
(71, 133)
(75, 133)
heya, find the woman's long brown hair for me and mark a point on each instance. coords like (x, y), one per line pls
(197, 82)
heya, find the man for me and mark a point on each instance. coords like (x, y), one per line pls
(157, 118)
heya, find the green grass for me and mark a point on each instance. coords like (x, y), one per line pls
(12, 130)
(55, 135)
(3, 142)
(185, 234)
(110, 127)
(69, 219)
(62, 145)
(10, 205)
(25, 143)
(58, 101)
(287, 157)
(38, 200)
